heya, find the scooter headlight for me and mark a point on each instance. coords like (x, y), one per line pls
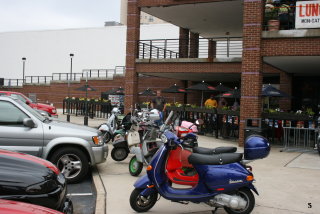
(164, 138)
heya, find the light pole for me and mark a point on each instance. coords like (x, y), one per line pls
(23, 68)
(69, 100)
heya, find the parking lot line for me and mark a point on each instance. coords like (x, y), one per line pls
(79, 194)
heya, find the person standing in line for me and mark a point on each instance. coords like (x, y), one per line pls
(159, 103)
(211, 102)
(222, 102)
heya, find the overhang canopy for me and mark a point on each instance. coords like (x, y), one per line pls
(296, 65)
(215, 19)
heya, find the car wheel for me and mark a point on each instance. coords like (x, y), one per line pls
(72, 162)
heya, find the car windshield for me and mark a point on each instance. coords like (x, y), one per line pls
(32, 111)
(19, 97)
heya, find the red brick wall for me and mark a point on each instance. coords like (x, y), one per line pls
(189, 67)
(133, 36)
(291, 47)
(149, 3)
(251, 77)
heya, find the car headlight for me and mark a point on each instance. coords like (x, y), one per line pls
(98, 140)
(54, 111)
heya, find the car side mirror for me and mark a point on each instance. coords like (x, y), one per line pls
(28, 122)
(27, 102)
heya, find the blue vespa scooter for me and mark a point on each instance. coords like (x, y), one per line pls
(224, 180)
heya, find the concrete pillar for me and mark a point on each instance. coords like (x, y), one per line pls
(251, 76)
(133, 36)
(183, 43)
(212, 50)
(285, 86)
(194, 45)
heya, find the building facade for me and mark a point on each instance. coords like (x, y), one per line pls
(145, 18)
(229, 42)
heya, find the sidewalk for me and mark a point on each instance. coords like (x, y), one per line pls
(288, 182)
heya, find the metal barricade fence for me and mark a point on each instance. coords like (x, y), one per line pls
(299, 139)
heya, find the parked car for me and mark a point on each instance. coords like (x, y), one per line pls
(73, 148)
(15, 207)
(44, 107)
(33, 180)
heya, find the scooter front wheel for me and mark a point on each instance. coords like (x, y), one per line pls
(247, 195)
(135, 167)
(140, 203)
(119, 154)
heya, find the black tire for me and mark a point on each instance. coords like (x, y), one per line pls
(318, 147)
(135, 167)
(72, 162)
(119, 154)
(140, 204)
(247, 195)
(107, 137)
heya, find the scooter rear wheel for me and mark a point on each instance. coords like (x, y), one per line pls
(135, 167)
(247, 195)
(119, 154)
(140, 203)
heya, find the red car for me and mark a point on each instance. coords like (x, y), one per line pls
(44, 107)
(14, 207)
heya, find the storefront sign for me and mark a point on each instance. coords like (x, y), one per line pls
(308, 14)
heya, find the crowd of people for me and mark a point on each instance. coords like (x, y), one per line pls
(211, 102)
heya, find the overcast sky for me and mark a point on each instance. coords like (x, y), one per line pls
(28, 15)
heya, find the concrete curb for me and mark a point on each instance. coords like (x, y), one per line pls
(101, 207)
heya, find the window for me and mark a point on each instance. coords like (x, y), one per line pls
(18, 97)
(10, 114)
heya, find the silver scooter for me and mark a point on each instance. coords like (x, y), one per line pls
(149, 144)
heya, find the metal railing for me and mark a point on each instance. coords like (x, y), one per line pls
(38, 79)
(13, 82)
(170, 48)
(97, 109)
(92, 73)
(217, 122)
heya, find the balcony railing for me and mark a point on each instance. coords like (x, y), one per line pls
(92, 73)
(220, 47)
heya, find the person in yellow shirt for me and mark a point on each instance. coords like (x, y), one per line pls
(211, 102)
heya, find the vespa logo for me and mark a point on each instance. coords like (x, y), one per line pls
(235, 181)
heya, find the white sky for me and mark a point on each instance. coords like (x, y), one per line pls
(28, 15)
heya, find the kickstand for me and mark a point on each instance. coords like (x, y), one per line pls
(215, 210)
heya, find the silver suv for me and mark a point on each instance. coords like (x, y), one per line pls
(73, 148)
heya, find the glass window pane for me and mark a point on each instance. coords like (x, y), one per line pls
(10, 114)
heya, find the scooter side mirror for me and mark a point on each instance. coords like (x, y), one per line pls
(199, 122)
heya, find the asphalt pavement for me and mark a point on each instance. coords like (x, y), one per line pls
(83, 196)
(287, 182)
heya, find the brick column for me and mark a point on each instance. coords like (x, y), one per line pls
(183, 43)
(133, 36)
(251, 76)
(285, 86)
(212, 50)
(194, 45)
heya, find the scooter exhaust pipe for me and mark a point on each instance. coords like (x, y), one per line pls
(232, 201)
